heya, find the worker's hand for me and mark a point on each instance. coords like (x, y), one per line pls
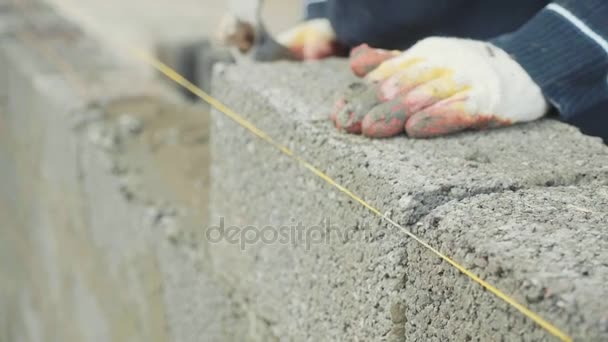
(437, 87)
(313, 39)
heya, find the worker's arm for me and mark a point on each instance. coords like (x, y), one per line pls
(445, 85)
(565, 50)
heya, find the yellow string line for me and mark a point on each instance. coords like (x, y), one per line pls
(179, 79)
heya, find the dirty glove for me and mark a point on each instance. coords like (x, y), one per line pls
(312, 39)
(439, 86)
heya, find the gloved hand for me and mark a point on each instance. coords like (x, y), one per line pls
(312, 39)
(439, 86)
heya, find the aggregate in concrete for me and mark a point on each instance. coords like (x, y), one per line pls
(545, 246)
(363, 279)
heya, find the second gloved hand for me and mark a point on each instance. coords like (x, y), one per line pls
(439, 86)
(312, 39)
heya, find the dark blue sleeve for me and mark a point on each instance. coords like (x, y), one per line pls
(564, 48)
(315, 9)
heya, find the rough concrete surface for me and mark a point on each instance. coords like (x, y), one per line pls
(547, 246)
(368, 281)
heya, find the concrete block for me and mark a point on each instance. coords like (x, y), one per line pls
(349, 275)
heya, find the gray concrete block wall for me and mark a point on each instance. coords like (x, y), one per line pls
(369, 281)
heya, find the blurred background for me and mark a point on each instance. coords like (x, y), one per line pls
(80, 256)
(147, 22)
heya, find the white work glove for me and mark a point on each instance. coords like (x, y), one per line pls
(312, 39)
(439, 86)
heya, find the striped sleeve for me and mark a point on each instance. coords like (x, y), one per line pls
(315, 9)
(564, 48)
